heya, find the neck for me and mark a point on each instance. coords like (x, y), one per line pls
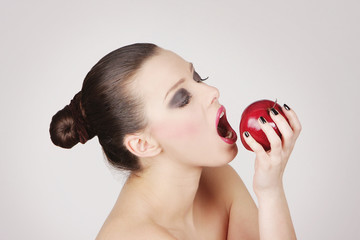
(169, 189)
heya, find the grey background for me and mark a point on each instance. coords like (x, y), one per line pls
(304, 53)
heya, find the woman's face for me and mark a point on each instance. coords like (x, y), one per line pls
(182, 111)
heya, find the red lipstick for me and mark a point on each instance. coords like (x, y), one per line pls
(224, 130)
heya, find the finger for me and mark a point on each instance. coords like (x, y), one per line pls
(293, 120)
(274, 139)
(262, 160)
(287, 133)
(255, 146)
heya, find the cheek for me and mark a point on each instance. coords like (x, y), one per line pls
(176, 130)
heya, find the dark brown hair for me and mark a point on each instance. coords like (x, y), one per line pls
(106, 106)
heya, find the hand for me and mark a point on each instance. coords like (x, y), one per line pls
(270, 165)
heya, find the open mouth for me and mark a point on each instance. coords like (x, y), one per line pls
(224, 129)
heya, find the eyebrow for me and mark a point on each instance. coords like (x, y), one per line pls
(179, 82)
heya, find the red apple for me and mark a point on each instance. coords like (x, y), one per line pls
(249, 122)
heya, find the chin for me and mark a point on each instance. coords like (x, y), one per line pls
(232, 154)
(227, 157)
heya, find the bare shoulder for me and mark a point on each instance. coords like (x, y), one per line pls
(243, 213)
(225, 182)
(225, 173)
(116, 229)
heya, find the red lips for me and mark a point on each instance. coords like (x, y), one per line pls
(223, 127)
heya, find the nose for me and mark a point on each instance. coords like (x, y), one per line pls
(214, 94)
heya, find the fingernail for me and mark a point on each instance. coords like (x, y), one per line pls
(286, 107)
(262, 120)
(273, 111)
(246, 134)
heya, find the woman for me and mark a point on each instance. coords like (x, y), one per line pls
(155, 117)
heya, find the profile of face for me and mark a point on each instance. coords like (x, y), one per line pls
(182, 113)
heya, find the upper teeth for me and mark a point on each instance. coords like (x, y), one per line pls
(222, 114)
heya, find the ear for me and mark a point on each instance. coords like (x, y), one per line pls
(141, 145)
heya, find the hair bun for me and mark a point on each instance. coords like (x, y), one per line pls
(68, 126)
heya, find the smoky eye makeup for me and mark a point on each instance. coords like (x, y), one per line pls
(180, 98)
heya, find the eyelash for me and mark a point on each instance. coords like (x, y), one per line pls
(198, 76)
(186, 101)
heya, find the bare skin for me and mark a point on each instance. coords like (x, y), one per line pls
(140, 213)
(186, 189)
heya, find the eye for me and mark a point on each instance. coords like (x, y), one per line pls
(197, 77)
(181, 98)
(185, 101)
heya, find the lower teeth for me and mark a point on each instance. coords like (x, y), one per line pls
(229, 134)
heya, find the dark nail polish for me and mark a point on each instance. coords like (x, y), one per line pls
(246, 134)
(273, 111)
(286, 107)
(262, 120)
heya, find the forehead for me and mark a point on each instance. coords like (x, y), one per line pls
(159, 73)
